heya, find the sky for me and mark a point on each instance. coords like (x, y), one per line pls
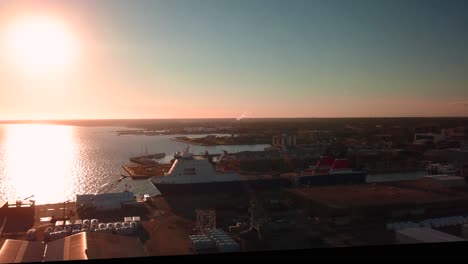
(251, 58)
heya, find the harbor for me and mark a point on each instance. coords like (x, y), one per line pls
(249, 200)
(131, 130)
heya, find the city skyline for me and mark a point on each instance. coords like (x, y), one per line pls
(227, 59)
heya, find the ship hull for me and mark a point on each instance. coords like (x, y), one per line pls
(273, 184)
(220, 187)
(334, 179)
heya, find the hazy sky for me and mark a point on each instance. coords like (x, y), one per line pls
(260, 58)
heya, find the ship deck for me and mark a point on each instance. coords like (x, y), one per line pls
(137, 172)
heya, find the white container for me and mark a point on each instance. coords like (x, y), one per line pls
(442, 221)
(465, 231)
(396, 226)
(449, 221)
(454, 220)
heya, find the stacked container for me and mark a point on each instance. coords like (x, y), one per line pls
(202, 242)
(223, 242)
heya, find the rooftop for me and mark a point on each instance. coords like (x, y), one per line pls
(373, 195)
(443, 177)
(93, 245)
(428, 235)
(17, 251)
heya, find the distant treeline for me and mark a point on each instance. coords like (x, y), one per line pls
(256, 124)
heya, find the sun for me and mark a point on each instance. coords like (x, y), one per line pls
(40, 45)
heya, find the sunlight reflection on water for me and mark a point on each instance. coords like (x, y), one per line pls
(54, 162)
(39, 161)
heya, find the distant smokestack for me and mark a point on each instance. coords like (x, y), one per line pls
(243, 115)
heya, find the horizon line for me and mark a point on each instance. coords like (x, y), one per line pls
(216, 118)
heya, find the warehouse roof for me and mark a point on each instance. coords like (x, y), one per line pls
(16, 251)
(93, 245)
(428, 235)
(370, 195)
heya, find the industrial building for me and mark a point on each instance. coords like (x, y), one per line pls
(373, 205)
(16, 216)
(81, 246)
(424, 235)
(93, 245)
(18, 251)
(90, 205)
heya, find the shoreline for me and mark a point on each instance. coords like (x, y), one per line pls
(190, 142)
(214, 144)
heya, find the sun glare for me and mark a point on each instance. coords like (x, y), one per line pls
(40, 45)
(39, 161)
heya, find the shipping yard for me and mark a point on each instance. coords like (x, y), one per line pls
(274, 199)
(139, 129)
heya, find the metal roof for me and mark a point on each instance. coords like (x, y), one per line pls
(105, 200)
(375, 195)
(93, 245)
(3, 203)
(17, 251)
(428, 235)
(443, 177)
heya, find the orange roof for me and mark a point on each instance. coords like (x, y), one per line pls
(94, 245)
(17, 251)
